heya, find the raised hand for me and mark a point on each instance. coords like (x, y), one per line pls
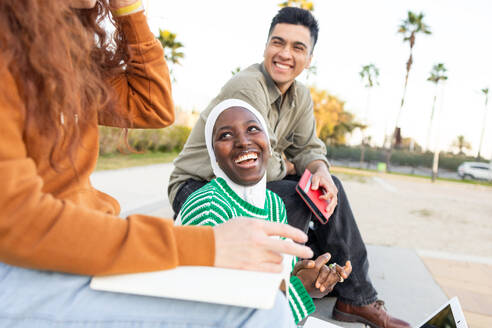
(322, 179)
(116, 4)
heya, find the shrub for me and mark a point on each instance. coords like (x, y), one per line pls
(109, 139)
(168, 139)
(174, 138)
(398, 157)
(413, 159)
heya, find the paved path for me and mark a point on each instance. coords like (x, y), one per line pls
(411, 285)
(138, 189)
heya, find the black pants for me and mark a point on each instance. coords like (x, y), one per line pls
(340, 236)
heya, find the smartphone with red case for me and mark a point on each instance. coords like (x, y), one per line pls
(311, 197)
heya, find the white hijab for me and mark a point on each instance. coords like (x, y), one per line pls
(254, 194)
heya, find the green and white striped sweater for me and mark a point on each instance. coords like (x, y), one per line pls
(216, 203)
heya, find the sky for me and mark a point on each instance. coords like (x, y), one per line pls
(220, 35)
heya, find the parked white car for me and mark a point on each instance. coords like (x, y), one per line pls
(475, 170)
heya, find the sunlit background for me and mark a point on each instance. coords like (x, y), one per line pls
(219, 36)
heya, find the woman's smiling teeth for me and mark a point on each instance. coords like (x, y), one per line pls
(246, 157)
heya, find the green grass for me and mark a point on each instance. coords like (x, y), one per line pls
(475, 182)
(119, 161)
(344, 176)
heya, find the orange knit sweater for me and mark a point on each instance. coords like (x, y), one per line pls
(55, 221)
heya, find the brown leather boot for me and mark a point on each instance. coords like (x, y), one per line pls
(373, 314)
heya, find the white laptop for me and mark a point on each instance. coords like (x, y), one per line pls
(203, 284)
(313, 322)
(195, 283)
(449, 315)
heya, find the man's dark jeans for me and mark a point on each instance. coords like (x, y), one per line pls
(340, 236)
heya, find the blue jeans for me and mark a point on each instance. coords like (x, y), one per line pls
(32, 298)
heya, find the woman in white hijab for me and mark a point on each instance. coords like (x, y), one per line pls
(238, 144)
(253, 193)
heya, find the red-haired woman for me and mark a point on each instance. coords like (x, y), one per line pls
(59, 77)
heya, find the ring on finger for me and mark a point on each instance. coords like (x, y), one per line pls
(340, 278)
(334, 267)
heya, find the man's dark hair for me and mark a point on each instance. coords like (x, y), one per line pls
(297, 16)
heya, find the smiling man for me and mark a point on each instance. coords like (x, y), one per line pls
(286, 105)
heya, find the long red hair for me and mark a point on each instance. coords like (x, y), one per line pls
(59, 57)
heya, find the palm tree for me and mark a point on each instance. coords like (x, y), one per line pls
(369, 75)
(409, 28)
(236, 70)
(485, 91)
(461, 144)
(172, 48)
(304, 4)
(312, 70)
(437, 74)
